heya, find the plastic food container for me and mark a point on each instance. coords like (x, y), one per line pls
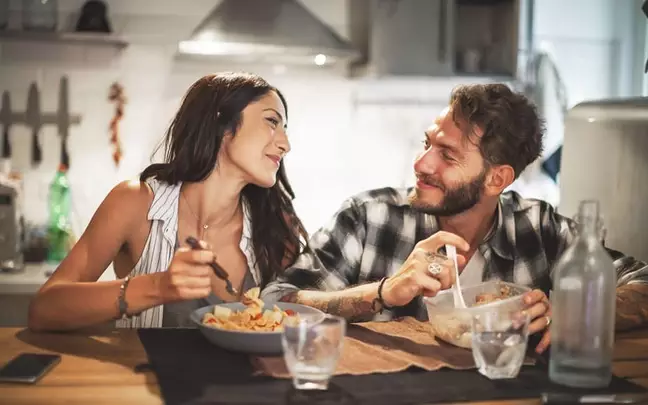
(453, 325)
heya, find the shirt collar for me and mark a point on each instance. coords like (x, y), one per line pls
(502, 238)
(164, 207)
(247, 220)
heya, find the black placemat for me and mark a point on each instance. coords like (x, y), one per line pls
(190, 370)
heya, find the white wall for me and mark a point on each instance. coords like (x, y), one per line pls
(593, 42)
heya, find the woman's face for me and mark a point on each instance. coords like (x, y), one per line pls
(260, 143)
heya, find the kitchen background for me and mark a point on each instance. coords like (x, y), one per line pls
(356, 114)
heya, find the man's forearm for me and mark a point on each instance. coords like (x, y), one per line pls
(355, 304)
(632, 306)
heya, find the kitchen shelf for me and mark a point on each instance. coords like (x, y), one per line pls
(486, 37)
(72, 38)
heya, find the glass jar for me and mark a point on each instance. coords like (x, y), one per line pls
(40, 15)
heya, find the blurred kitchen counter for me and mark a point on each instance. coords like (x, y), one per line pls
(27, 281)
(17, 290)
(30, 280)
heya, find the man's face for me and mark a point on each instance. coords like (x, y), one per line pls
(450, 171)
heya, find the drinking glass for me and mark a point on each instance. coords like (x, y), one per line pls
(312, 347)
(499, 342)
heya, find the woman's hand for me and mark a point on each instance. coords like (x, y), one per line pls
(188, 276)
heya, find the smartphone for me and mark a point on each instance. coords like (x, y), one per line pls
(28, 367)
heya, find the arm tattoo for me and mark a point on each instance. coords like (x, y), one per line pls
(632, 306)
(291, 297)
(356, 307)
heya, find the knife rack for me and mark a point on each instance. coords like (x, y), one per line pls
(35, 119)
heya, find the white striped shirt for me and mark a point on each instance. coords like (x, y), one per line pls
(161, 243)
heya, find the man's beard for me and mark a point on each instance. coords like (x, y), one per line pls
(455, 200)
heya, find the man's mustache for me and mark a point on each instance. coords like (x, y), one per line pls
(429, 180)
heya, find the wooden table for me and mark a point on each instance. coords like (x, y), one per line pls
(98, 367)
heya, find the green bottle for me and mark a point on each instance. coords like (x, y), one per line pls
(59, 230)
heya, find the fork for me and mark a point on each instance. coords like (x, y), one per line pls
(218, 270)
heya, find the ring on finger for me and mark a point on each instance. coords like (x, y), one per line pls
(434, 257)
(435, 269)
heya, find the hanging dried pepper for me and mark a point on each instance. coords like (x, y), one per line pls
(116, 95)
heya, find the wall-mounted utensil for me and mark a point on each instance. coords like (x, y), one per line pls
(5, 120)
(63, 120)
(33, 118)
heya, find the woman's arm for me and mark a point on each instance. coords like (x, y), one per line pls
(72, 297)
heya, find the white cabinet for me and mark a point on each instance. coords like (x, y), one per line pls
(411, 37)
(436, 37)
(486, 37)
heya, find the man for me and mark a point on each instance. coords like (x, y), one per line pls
(380, 251)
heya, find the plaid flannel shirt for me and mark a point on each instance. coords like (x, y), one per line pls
(373, 233)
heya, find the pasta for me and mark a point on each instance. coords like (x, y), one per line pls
(454, 327)
(486, 298)
(252, 318)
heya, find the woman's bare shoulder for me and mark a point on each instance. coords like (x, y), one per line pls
(134, 191)
(129, 196)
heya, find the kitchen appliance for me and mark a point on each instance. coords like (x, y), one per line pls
(11, 227)
(275, 30)
(605, 157)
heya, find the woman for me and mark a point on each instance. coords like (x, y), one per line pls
(222, 182)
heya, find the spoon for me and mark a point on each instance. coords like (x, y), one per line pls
(456, 288)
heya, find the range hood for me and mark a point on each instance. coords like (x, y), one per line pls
(266, 30)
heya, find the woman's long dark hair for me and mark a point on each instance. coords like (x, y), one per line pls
(211, 108)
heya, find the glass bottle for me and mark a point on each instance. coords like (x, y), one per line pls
(583, 307)
(59, 229)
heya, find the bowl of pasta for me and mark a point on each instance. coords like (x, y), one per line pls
(250, 326)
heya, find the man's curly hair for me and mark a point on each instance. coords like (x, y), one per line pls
(511, 130)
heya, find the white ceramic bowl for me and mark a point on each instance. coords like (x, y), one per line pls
(253, 342)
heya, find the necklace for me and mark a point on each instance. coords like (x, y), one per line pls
(204, 226)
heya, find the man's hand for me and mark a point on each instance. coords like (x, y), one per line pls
(425, 271)
(538, 307)
(632, 306)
